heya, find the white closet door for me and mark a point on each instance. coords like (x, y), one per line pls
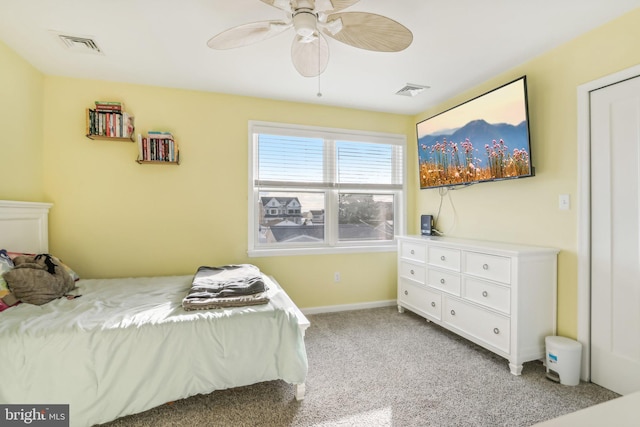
(615, 243)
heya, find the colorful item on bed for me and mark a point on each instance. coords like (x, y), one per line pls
(5, 265)
(233, 285)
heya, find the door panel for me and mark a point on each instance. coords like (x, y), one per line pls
(615, 233)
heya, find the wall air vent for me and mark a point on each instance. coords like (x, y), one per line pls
(80, 44)
(411, 90)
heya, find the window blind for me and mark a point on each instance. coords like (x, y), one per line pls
(290, 161)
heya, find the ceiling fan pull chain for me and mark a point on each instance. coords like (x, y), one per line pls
(319, 94)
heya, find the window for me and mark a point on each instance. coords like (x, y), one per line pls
(318, 190)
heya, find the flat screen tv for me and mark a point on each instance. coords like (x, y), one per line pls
(481, 140)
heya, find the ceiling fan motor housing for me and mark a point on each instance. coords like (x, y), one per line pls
(304, 21)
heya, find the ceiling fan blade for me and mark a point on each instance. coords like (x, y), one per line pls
(280, 4)
(310, 57)
(320, 5)
(369, 31)
(246, 34)
(333, 5)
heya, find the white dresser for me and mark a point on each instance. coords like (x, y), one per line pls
(500, 296)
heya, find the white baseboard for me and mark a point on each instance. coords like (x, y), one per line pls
(348, 307)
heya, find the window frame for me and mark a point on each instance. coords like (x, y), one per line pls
(331, 245)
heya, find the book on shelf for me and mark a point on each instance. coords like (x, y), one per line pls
(159, 135)
(108, 109)
(89, 120)
(140, 148)
(111, 124)
(109, 106)
(157, 147)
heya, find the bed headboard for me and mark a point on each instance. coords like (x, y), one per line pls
(24, 226)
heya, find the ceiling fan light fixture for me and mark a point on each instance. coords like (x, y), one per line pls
(304, 21)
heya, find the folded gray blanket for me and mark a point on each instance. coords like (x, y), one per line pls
(226, 286)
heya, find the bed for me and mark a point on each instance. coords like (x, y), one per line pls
(127, 345)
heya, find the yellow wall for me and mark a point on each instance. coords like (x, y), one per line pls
(21, 89)
(114, 217)
(526, 210)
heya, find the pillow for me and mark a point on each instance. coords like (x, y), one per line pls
(5, 265)
(37, 280)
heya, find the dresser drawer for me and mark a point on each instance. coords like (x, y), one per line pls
(488, 294)
(444, 257)
(413, 251)
(443, 280)
(488, 327)
(412, 271)
(492, 267)
(416, 297)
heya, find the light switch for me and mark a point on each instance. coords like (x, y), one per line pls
(564, 203)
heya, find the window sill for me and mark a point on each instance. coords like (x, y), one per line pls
(254, 253)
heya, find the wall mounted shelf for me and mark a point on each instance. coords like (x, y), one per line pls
(159, 162)
(109, 121)
(158, 148)
(110, 138)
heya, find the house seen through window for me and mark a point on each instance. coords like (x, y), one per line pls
(324, 190)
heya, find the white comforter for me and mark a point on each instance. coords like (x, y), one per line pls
(127, 345)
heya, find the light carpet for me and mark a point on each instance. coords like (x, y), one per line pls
(377, 367)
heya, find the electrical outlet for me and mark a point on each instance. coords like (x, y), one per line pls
(336, 276)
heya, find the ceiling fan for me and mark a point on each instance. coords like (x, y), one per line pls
(311, 19)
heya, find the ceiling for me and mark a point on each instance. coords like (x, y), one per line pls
(457, 45)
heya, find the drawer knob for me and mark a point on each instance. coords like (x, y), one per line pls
(412, 272)
(433, 304)
(485, 294)
(485, 266)
(406, 292)
(496, 331)
(442, 281)
(412, 252)
(453, 312)
(442, 258)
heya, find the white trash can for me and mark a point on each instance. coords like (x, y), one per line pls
(563, 357)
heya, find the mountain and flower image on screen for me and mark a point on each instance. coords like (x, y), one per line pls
(484, 139)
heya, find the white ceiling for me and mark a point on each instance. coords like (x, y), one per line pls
(457, 45)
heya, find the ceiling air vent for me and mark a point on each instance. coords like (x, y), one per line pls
(80, 44)
(411, 90)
